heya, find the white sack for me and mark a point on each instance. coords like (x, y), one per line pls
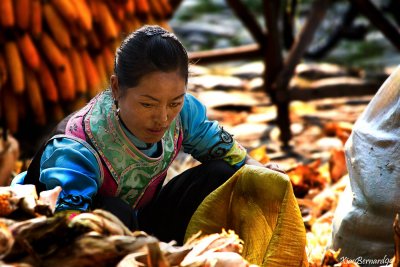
(363, 222)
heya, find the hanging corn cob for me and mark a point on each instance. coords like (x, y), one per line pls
(22, 13)
(57, 26)
(56, 54)
(15, 67)
(47, 83)
(36, 18)
(7, 14)
(3, 70)
(79, 72)
(29, 51)
(35, 97)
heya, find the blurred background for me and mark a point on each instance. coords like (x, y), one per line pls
(53, 58)
(211, 24)
(287, 78)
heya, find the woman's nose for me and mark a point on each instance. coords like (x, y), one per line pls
(161, 115)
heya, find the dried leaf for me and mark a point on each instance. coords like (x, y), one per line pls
(260, 154)
(337, 165)
(396, 227)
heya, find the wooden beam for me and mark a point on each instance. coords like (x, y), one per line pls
(332, 91)
(226, 54)
(376, 17)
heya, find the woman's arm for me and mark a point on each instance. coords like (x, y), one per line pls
(72, 166)
(205, 139)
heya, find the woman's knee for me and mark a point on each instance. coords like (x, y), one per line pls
(219, 168)
(119, 208)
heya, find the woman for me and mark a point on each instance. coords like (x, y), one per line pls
(115, 152)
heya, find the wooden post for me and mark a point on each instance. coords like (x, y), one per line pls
(273, 62)
(296, 52)
(273, 54)
(248, 20)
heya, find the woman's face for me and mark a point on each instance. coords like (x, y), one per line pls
(148, 109)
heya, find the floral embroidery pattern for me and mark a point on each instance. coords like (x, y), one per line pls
(129, 167)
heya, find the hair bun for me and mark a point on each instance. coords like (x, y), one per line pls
(152, 30)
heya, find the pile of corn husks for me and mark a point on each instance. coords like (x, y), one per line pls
(32, 235)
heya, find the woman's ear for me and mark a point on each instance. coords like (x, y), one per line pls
(114, 86)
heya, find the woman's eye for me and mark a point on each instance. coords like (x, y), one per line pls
(174, 105)
(146, 105)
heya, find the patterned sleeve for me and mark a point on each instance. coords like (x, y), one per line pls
(205, 139)
(69, 164)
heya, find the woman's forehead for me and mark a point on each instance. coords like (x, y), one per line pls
(160, 85)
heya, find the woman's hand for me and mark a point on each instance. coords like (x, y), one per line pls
(270, 165)
(275, 167)
(50, 197)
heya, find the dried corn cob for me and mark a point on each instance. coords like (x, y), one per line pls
(47, 83)
(91, 74)
(108, 26)
(38, 36)
(22, 13)
(7, 18)
(157, 8)
(36, 19)
(66, 9)
(15, 66)
(66, 83)
(85, 15)
(35, 97)
(166, 7)
(130, 7)
(57, 26)
(79, 72)
(101, 68)
(3, 70)
(142, 6)
(28, 51)
(117, 10)
(52, 52)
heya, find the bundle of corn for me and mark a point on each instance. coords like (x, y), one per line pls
(59, 52)
(22, 202)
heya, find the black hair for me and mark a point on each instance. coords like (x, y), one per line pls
(146, 50)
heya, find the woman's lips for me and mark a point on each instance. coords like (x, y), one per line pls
(156, 131)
